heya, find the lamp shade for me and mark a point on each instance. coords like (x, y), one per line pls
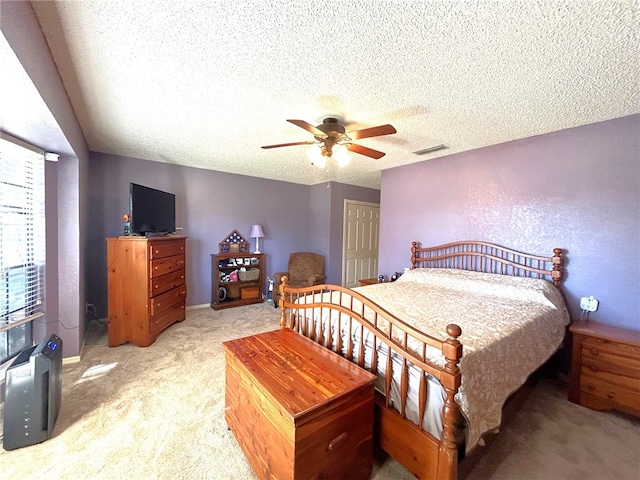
(256, 232)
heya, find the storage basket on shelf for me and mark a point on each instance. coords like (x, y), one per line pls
(249, 274)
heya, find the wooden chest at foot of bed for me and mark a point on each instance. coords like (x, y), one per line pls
(298, 410)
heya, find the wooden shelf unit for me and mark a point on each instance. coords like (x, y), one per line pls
(228, 294)
(605, 367)
(146, 287)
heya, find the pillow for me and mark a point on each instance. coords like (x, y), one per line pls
(504, 286)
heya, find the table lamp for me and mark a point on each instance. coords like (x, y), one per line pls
(257, 233)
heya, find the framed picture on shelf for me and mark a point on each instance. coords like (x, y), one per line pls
(234, 243)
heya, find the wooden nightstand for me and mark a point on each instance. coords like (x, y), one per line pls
(368, 281)
(297, 409)
(605, 367)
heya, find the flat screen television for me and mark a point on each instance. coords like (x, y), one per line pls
(152, 211)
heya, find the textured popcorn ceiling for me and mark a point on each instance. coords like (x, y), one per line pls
(206, 83)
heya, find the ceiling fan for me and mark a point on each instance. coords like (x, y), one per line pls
(331, 133)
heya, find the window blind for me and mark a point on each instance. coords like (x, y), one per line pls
(22, 244)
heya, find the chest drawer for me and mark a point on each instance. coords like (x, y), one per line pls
(159, 322)
(164, 283)
(172, 297)
(166, 248)
(162, 266)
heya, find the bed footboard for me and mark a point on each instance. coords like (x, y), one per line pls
(360, 330)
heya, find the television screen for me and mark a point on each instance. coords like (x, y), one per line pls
(152, 211)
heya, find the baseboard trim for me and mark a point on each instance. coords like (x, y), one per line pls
(197, 307)
(67, 360)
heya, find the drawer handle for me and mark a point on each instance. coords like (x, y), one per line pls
(593, 368)
(337, 441)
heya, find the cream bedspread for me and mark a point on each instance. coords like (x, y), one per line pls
(510, 327)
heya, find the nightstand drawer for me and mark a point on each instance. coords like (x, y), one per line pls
(609, 371)
(621, 395)
(615, 353)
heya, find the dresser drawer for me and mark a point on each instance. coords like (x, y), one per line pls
(162, 266)
(162, 320)
(164, 283)
(168, 299)
(166, 248)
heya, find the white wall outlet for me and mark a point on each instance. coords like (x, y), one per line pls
(589, 304)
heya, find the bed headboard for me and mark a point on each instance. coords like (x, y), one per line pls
(489, 258)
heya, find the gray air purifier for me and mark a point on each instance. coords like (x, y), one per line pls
(32, 394)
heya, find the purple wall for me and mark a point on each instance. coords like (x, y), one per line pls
(209, 205)
(578, 189)
(327, 221)
(65, 180)
(339, 193)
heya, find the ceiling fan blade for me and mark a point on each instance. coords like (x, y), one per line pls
(371, 132)
(308, 127)
(289, 144)
(366, 151)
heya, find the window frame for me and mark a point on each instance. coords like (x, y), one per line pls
(22, 243)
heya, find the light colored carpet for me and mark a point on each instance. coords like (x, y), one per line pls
(158, 413)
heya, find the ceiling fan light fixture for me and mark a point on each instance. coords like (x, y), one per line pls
(334, 142)
(314, 154)
(341, 155)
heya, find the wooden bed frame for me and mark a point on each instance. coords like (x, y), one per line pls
(417, 450)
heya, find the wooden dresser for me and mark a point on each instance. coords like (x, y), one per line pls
(298, 410)
(605, 367)
(146, 287)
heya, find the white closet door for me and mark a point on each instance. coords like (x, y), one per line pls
(360, 244)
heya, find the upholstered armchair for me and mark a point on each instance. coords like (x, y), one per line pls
(304, 270)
